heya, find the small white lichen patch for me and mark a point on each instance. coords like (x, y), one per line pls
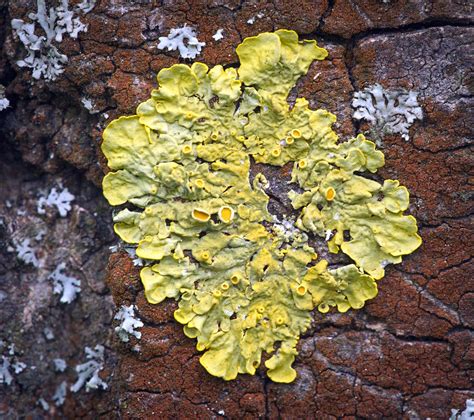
(130, 250)
(184, 40)
(67, 286)
(133, 253)
(9, 364)
(86, 5)
(60, 199)
(218, 35)
(328, 235)
(252, 20)
(5, 375)
(25, 252)
(48, 333)
(88, 372)
(60, 394)
(388, 111)
(59, 365)
(467, 414)
(43, 56)
(18, 367)
(286, 230)
(89, 105)
(128, 323)
(4, 102)
(43, 403)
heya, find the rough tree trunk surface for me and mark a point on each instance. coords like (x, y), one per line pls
(407, 354)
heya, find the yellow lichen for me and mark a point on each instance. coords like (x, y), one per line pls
(242, 285)
(226, 214)
(296, 134)
(199, 183)
(187, 149)
(330, 194)
(199, 215)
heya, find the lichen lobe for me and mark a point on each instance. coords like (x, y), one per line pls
(184, 159)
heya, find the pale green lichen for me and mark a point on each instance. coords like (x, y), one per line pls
(184, 160)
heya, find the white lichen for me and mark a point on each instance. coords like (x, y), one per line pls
(89, 105)
(114, 248)
(4, 102)
(252, 20)
(18, 367)
(9, 364)
(86, 5)
(328, 235)
(48, 333)
(60, 394)
(44, 404)
(467, 414)
(388, 111)
(5, 375)
(25, 252)
(218, 35)
(130, 250)
(43, 56)
(184, 40)
(286, 230)
(128, 323)
(138, 262)
(88, 372)
(59, 365)
(67, 286)
(60, 199)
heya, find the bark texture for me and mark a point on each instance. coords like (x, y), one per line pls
(407, 354)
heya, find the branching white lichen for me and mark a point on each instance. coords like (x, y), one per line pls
(88, 372)
(44, 404)
(18, 367)
(130, 250)
(86, 5)
(9, 364)
(43, 56)
(67, 286)
(60, 199)
(4, 102)
(128, 323)
(89, 105)
(218, 35)
(388, 111)
(252, 20)
(5, 375)
(60, 394)
(59, 365)
(25, 252)
(467, 414)
(184, 40)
